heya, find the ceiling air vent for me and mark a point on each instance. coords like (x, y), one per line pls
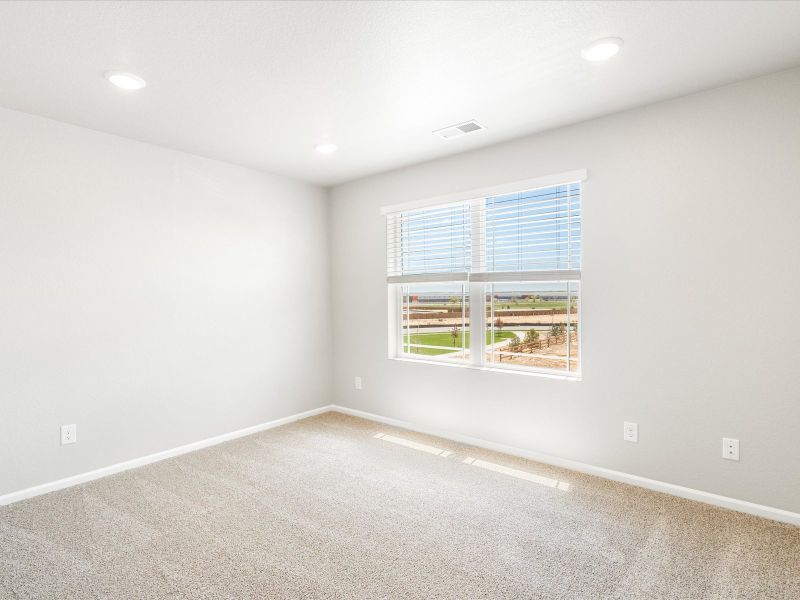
(460, 129)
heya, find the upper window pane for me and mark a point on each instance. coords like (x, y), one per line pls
(537, 230)
(431, 240)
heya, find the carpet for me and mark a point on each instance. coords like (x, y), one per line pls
(339, 507)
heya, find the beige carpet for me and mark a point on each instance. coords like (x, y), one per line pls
(324, 509)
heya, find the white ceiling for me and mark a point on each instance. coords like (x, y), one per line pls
(260, 83)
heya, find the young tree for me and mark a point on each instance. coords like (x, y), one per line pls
(454, 333)
(531, 336)
(498, 324)
(556, 330)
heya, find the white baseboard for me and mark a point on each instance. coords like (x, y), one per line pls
(768, 512)
(151, 458)
(759, 510)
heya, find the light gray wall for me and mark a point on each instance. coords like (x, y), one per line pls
(153, 298)
(690, 295)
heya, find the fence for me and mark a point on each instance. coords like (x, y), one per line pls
(539, 344)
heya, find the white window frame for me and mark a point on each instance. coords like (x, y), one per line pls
(477, 289)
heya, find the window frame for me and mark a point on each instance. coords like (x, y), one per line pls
(399, 331)
(477, 290)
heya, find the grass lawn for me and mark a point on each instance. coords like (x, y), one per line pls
(446, 340)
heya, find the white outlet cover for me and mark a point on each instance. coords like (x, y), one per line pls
(730, 448)
(358, 383)
(630, 432)
(69, 434)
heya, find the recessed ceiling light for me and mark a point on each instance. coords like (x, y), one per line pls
(601, 49)
(326, 148)
(126, 81)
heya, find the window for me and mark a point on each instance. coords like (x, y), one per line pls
(510, 257)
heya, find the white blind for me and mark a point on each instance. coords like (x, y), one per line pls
(432, 243)
(536, 233)
(527, 235)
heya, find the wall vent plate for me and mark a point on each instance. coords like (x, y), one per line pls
(459, 130)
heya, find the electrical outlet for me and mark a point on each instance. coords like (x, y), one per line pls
(630, 432)
(730, 448)
(358, 383)
(69, 434)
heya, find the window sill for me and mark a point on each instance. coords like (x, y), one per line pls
(436, 363)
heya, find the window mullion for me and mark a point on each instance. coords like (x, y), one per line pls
(477, 323)
(569, 323)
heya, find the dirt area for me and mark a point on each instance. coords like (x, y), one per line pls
(542, 355)
(552, 357)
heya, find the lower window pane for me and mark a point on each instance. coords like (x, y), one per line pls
(533, 325)
(435, 321)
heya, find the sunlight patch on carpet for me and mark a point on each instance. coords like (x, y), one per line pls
(411, 444)
(490, 466)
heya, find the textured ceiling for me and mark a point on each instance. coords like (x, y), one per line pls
(260, 83)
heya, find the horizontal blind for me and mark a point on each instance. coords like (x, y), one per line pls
(429, 244)
(530, 234)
